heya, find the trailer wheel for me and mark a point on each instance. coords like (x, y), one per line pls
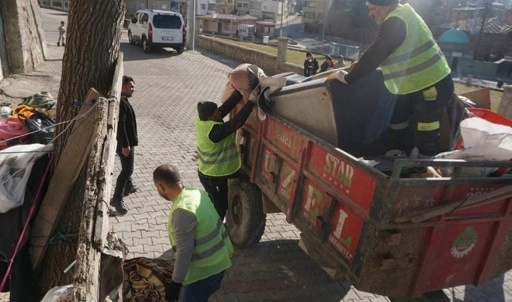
(245, 219)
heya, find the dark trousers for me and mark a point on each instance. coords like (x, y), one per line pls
(217, 189)
(125, 177)
(427, 108)
(201, 290)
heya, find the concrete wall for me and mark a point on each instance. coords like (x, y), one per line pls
(269, 63)
(23, 34)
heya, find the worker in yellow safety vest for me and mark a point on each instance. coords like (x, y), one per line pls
(414, 68)
(217, 152)
(201, 244)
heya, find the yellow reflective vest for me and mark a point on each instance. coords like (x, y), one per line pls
(216, 159)
(418, 62)
(212, 247)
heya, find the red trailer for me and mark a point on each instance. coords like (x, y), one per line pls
(387, 228)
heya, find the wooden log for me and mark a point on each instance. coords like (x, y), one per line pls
(94, 226)
(86, 286)
(71, 161)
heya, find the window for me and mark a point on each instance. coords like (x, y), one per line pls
(246, 5)
(167, 21)
(309, 4)
(203, 6)
(211, 6)
(309, 15)
(239, 5)
(143, 18)
(226, 26)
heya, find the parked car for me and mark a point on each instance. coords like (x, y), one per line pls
(157, 28)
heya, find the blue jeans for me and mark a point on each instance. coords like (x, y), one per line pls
(201, 290)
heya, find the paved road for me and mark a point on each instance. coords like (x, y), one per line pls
(168, 88)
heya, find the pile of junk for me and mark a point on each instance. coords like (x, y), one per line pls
(26, 135)
(29, 122)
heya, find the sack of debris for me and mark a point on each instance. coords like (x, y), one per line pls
(145, 279)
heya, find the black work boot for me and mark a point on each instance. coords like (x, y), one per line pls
(129, 190)
(58, 43)
(119, 205)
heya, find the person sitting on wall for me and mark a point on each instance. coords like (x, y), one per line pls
(327, 64)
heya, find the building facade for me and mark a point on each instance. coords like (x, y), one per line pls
(225, 6)
(225, 24)
(205, 7)
(243, 7)
(315, 14)
(272, 9)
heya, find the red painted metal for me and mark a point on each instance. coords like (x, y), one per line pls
(349, 210)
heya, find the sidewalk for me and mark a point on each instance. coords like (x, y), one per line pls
(45, 78)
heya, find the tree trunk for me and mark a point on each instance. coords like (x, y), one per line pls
(92, 47)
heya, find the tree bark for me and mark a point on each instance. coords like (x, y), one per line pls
(92, 48)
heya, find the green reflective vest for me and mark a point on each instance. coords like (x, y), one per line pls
(418, 62)
(216, 159)
(212, 246)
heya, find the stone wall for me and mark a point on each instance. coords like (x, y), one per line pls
(23, 35)
(269, 63)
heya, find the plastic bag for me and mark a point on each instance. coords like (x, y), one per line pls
(15, 172)
(59, 294)
(42, 126)
(483, 141)
(39, 100)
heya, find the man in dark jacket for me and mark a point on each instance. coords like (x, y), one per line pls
(126, 142)
(310, 65)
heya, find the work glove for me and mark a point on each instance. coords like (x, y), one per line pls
(172, 292)
(339, 76)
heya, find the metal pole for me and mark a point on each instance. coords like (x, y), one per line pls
(282, 13)
(190, 24)
(325, 19)
(194, 26)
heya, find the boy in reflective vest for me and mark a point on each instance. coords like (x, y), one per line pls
(414, 68)
(201, 244)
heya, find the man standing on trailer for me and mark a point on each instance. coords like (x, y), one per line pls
(414, 68)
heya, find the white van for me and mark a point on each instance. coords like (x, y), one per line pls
(157, 28)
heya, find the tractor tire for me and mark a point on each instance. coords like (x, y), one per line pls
(145, 45)
(130, 38)
(245, 219)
